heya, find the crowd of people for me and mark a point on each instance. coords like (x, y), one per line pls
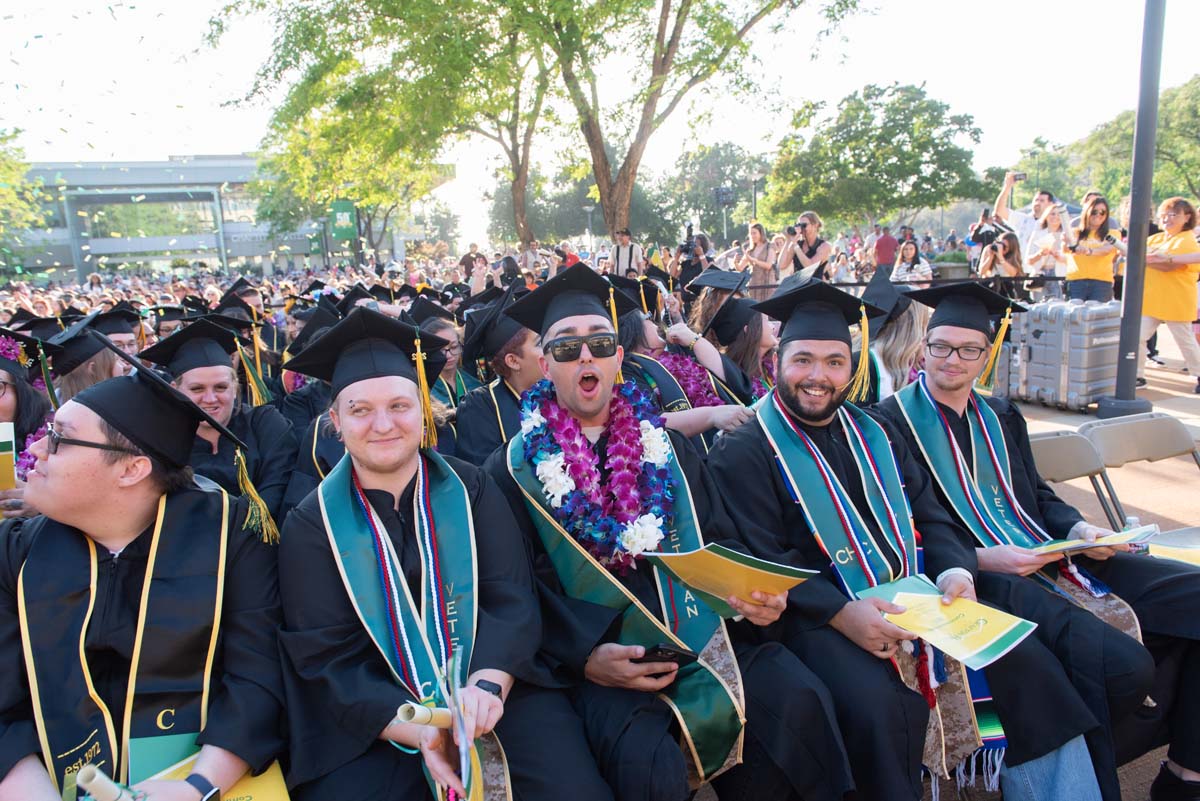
(280, 527)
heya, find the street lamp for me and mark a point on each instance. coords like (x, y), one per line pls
(754, 179)
(588, 209)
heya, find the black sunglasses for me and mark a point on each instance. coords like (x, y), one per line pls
(567, 349)
(55, 439)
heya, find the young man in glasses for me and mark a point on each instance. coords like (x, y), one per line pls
(596, 481)
(138, 616)
(977, 449)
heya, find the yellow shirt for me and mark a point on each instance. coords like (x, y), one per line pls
(1171, 296)
(1096, 268)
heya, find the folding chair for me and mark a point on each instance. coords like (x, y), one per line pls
(1064, 455)
(1146, 437)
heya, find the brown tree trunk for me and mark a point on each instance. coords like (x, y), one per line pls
(519, 187)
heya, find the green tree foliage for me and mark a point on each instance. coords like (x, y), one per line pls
(20, 200)
(692, 185)
(888, 150)
(412, 74)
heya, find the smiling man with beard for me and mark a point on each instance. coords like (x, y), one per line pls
(596, 480)
(823, 485)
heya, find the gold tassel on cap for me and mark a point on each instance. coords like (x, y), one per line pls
(642, 293)
(258, 518)
(429, 435)
(258, 390)
(288, 304)
(987, 379)
(860, 383)
(612, 309)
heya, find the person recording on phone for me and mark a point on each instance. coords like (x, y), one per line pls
(804, 247)
(1024, 224)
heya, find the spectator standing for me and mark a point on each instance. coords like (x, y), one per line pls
(1047, 251)
(626, 255)
(1023, 224)
(841, 244)
(885, 248)
(805, 247)
(869, 240)
(1090, 269)
(1002, 260)
(1172, 263)
(910, 268)
(759, 258)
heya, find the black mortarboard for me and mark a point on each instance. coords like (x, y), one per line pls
(168, 313)
(240, 286)
(812, 309)
(313, 288)
(233, 323)
(356, 293)
(151, 413)
(659, 274)
(44, 328)
(430, 292)
(644, 292)
(489, 295)
(19, 352)
(117, 321)
(578, 290)
(75, 311)
(21, 315)
(719, 279)
(304, 312)
(294, 304)
(232, 303)
(886, 295)
(201, 344)
(383, 294)
(75, 345)
(367, 344)
(423, 309)
(730, 319)
(965, 305)
(488, 328)
(322, 316)
(196, 304)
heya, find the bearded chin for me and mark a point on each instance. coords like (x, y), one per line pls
(791, 402)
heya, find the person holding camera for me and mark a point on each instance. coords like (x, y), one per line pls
(1024, 224)
(804, 247)
(1001, 260)
(1090, 262)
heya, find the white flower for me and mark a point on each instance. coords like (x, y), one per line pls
(531, 421)
(643, 534)
(556, 481)
(656, 447)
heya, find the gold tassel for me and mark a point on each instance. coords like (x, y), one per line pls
(987, 378)
(287, 305)
(860, 383)
(258, 518)
(429, 435)
(642, 292)
(256, 394)
(612, 309)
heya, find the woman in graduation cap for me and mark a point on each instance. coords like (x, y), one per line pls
(25, 407)
(138, 614)
(453, 383)
(81, 360)
(897, 337)
(200, 361)
(390, 597)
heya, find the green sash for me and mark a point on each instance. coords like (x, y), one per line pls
(980, 493)
(671, 396)
(706, 696)
(836, 523)
(174, 646)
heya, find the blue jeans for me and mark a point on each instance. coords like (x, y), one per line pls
(1064, 774)
(1090, 289)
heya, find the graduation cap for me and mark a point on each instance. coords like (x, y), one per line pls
(44, 328)
(162, 422)
(240, 287)
(733, 315)
(75, 311)
(356, 293)
(489, 295)
(383, 294)
(313, 288)
(643, 291)
(812, 309)
(75, 345)
(125, 305)
(196, 304)
(291, 302)
(367, 344)
(117, 321)
(168, 313)
(971, 305)
(488, 328)
(716, 278)
(20, 316)
(888, 296)
(202, 344)
(659, 274)
(20, 353)
(322, 316)
(424, 309)
(578, 290)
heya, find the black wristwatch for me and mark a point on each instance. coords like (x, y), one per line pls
(208, 791)
(489, 687)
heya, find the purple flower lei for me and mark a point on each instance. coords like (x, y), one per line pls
(692, 378)
(591, 513)
(763, 384)
(14, 351)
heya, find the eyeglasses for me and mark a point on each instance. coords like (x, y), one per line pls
(55, 439)
(1099, 212)
(452, 349)
(567, 349)
(968, 353)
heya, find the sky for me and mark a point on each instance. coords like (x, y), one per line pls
(86, 81)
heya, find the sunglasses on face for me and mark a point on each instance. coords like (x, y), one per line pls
(1099, 212)
(567, 349)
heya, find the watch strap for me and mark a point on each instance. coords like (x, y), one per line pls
(489, 687)
(208, 791)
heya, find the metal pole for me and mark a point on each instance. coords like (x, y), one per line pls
(724, 225)
(1142, 188)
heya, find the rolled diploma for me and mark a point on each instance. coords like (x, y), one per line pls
(438, 717)
(99, 786)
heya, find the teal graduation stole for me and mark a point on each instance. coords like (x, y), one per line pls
(416, 641)
(980, 493)
(836, 523)
(709, 709)
(174, 648)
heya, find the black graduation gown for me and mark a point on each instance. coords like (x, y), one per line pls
(485, 424)
(883, 722)
(341, 694)
(792, 747)
(737, 381)
(1106, 671)
(270, 455)
(1163, 593)
(246, 700)
(306, 404)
